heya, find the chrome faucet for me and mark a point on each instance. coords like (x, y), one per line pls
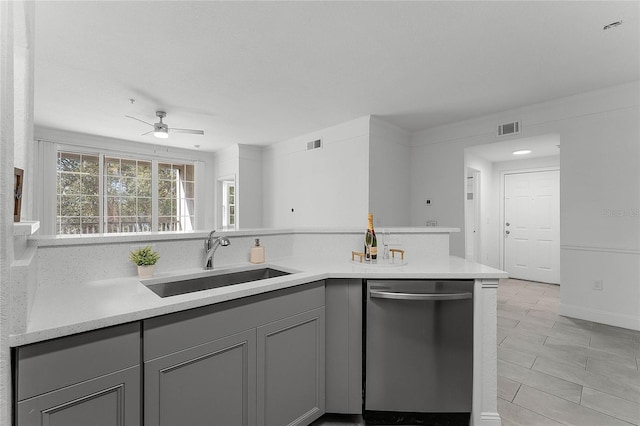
(210, 247)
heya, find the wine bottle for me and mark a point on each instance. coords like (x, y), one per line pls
(370, 241)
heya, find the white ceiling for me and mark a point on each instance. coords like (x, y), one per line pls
(540, 146)
(261, 72)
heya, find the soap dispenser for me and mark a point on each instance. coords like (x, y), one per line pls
(257, 253)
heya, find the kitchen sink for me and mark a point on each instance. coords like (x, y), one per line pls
(190, 285)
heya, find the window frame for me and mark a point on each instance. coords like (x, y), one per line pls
(154, 159)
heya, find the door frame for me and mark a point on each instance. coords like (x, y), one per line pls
(501, 226)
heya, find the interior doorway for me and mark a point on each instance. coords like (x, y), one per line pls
(492, 161)
(531, 225)
(472, 215)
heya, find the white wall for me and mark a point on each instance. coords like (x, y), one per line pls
(388, 174)
(16, 120)
(600, 191)
(488, 219)
(249, 187)
(325, 187)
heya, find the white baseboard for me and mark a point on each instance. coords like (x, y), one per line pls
(603, 317)
(490, 419)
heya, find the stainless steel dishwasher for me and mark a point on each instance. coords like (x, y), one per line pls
(418, 352)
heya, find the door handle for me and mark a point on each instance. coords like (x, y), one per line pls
(507, 232)
(419, 296)
(507, 224)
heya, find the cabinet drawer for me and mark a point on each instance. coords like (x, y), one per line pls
(54, 364)
(113, 399)
(175, 332)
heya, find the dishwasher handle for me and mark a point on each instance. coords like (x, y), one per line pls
(419, 296)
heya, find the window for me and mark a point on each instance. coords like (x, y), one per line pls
(78, 195)
(98, 193)
(176, 198)
(228, 204)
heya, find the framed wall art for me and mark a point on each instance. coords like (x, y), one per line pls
(18, 180)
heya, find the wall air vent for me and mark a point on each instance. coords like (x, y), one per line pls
(509, 128)
(314, 144)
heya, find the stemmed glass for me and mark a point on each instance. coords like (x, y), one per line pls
(386, 240)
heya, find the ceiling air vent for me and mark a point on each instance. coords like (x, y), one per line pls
(509, 128)
(314, 144)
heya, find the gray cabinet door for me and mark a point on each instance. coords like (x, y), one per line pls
(210, 384)
(291, 363)
(344, 346)
(110, 400)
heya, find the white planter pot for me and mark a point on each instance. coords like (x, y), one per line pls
(146, 271)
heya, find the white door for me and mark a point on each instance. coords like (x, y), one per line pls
(531, 227)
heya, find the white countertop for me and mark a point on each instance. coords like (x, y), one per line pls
(64, 310)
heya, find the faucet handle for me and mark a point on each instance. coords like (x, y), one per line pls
(207, 242)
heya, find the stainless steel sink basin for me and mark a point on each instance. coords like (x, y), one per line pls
(190, 285)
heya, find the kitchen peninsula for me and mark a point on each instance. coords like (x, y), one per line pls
(86, 285)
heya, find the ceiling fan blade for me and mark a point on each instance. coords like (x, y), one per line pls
(128, 116)
(191, 131)
(150, 131)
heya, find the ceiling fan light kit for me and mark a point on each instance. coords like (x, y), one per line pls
(161, 130)
(161, 133)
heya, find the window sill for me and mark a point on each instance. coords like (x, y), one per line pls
(25, 228)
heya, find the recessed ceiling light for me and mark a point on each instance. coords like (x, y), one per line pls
(612, 25)
(522, 152)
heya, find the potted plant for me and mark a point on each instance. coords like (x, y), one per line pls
(146, 260)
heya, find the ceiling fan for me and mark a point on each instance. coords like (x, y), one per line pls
(161, 130)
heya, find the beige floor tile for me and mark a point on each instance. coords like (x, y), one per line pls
(622, 389)
(514, 415)
(525, 334)
(574, 322)
(622, 360)
(547, 304)
(577, 338)
(610, 330)
(514, 308)
(555, 355)
(522, 359)
(613, 370)
(562, 325)
(507, 322)
(615, 344)
(523, 304)
(561, 410)
(501, 335)
(544, 314)
(544, 382)
(611, 405)
(507, 388)
(514, 313)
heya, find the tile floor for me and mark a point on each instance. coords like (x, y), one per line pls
(554, 370)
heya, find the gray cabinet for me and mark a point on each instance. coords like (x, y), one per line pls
(230, 363)
(85, 380)
(291, 364)
(344, 346)
(213, 383)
